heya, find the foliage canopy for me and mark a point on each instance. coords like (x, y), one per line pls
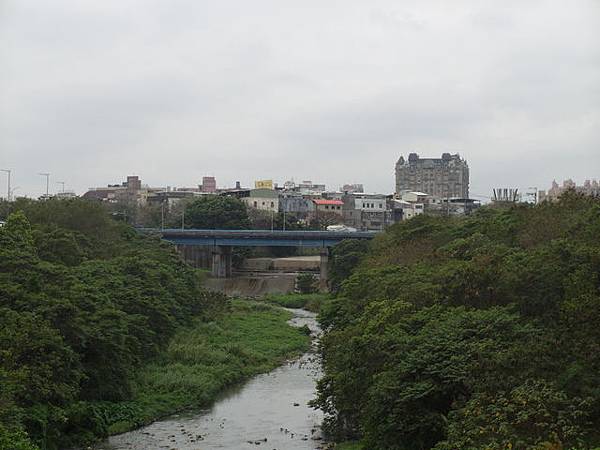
(84, 300)
(473, 333)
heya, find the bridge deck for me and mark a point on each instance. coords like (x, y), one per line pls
(258, 238)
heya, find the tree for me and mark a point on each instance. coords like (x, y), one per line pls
(306, 283)
(470, 333)
(532, 416)
(217, 212)
(344, 258)
(84, 301)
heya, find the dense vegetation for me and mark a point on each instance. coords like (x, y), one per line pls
(469, 333)
(217, 212)
(84, 302)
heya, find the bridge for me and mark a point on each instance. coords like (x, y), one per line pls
(222, 241)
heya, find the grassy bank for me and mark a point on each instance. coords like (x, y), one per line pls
(310, 302)
(202, 360)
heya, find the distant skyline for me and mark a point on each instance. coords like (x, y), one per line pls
(92, 91)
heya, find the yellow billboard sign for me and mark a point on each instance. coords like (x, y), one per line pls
(263, 184)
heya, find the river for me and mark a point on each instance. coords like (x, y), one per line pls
(270, 411)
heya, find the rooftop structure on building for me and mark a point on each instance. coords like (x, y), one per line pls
(322, 201)
(308, 187)
(352, 188)
(506, 195)
(443, 177)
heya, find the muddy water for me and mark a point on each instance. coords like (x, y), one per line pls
(270, 411)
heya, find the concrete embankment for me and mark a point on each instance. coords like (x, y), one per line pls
(253, 286)
(261, 276)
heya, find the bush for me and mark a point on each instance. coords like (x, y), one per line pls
(306, 283)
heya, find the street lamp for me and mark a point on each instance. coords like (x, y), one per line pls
(9, 191)
(63, 185)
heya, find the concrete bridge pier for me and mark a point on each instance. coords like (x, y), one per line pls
(221, 261)
(324, 270)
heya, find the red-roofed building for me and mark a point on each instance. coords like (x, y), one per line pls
(328, 206)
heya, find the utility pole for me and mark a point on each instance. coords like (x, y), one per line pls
(183, 218)
(9, 191)
(47, 175)
(162, 215)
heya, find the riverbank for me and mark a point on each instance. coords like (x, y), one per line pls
(203, 360)
(272, 407)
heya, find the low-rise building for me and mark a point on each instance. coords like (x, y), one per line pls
(263, 199)
(367, 211)
(291, 202)
(407, 210)
(170, 198)
(131, 191)
(327, 206)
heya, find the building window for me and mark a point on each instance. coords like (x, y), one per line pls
(255, 204)
(272, 204)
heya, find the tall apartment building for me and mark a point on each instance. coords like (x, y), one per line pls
(444, 177)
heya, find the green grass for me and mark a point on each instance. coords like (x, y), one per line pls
(202, 360)
(310, 302)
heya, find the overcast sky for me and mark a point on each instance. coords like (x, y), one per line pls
(331, 91)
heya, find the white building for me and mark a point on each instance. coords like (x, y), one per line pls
(370, 202)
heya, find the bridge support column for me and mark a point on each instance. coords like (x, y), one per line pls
(221, 261)
(324, 270)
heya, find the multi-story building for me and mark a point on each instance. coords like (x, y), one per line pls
(367, 211)
(445, 177)
(589, 187)
(209, 184)
(291, 202)
(131, 191)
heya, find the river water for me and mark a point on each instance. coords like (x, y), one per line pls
(269, 411)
